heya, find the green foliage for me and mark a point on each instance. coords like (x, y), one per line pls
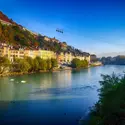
(49, 64)
(15, 35)
(77, 63)
(110, 109)
(43, 65)
(118, 60)
(4, 64)
(33, 65)
(21, 65)
(54, 63)
(40, 64)
(36, 65)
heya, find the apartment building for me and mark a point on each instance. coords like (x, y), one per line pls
(60, 57)
(68, 57)
(45, 54)
(13, 53)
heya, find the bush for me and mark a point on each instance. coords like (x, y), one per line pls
(54, 63)
(21, 65)
(110, 109)
(27, 64)
(77, 63)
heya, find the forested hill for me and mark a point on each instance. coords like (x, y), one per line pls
(18, 36)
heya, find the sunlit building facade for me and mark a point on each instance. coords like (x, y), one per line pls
(45, 54)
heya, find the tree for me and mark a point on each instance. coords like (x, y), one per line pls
(84, 63)
(43, 64)
(31, 63)
(39, 60)
(35, 65)
(4, 64)
(49, 64)
(21, 65)
(110, 109)
(54, 63)
(76, 63)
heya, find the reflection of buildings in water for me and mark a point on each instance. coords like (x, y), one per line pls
(47, 85)
(63, 78)
(89, 72)
(38, 81)
(42, 87)
(46, 81)
(56, 79)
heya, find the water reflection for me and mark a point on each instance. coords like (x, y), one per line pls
(6, 91)
(62, 84)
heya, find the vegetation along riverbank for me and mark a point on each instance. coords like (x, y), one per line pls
(110, 109)
(26, 66)
(29, 65)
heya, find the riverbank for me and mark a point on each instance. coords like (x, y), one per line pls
(96, 64)
(24, 73)
(43, 71)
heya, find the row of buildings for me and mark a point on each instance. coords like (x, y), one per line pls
(11, 53)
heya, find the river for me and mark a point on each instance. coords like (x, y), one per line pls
(58, 98)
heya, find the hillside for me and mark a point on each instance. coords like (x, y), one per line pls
(5, 18)
(19, 36)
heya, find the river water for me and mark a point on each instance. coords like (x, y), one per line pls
(58, 98)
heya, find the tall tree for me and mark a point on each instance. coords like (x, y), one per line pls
(4, 65)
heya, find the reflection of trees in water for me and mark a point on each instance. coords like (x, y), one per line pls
(51, 84)
(15, 90)
(6, 90)
(51, 80)
(41, 80)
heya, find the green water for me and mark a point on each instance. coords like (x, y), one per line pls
(57, 98)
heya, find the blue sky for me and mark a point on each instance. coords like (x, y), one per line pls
(95, 26)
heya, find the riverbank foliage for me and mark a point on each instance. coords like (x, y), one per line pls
(110, 109)
(4, 64)
(26, 65)
(77, 63)
(118, 60)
